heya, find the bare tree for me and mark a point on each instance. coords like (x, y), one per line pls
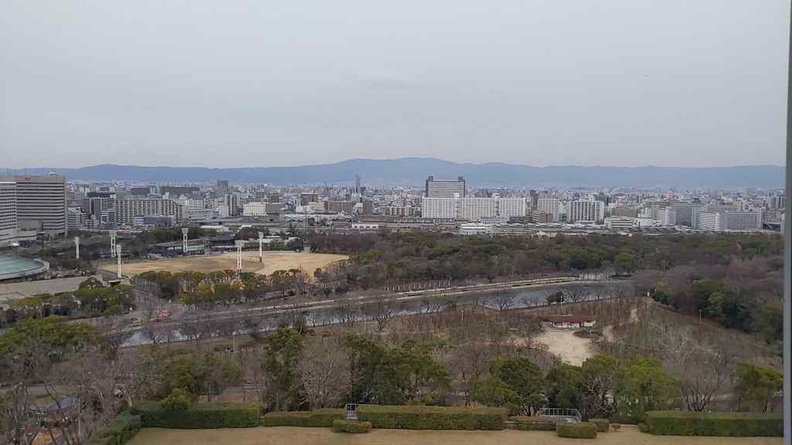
(503, 300)
(323, 368)
(382, 310)
(704, 378)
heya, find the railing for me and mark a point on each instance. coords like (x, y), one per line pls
(567, 414)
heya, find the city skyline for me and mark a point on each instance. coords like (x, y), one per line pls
(540, 83)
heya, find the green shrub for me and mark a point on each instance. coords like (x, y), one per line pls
(536, 423)
(642, 427)
(602, 425)
(200, 415)
(615, 426)
(178, 399)
(582, 430)
(432, 417)
(122, 428)
(679, 423)
(322, 418)
(351, 426)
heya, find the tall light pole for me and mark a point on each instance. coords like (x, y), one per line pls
(788, 261)
(77, 247)
(118, 253)
(112, 243)
(185, 233)
(261, 247)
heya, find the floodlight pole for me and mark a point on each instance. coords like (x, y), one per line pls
(787, 399)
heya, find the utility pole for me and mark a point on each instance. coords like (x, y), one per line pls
(77, 247)
(239, 259)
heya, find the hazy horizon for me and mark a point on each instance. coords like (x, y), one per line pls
(625, 83)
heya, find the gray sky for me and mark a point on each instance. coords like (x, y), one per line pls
(264, 83)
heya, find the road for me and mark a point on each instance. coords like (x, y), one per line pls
(395, 297)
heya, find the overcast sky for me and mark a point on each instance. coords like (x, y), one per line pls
(268, 83)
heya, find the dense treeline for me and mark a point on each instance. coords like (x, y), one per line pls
(734, 279)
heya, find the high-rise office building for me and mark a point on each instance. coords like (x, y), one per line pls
(445, 189)
(8, 210)
(221, 188)
(41, 203)
(686, 213)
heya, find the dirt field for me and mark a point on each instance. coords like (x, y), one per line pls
(315, 436)
(273, 261)
(563, 343)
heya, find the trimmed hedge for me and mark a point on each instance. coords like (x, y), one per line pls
(122, 428)
(686, 423)
(582, 430)
(351, 426)
(200, 415)
(602, 424)
(432, 417)
(318, 418)
(536, 423)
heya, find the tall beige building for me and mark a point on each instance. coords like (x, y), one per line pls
(41, 203)
(8, 212)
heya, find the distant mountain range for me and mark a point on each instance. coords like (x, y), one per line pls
(413, 171)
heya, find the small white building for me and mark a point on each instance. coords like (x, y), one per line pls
(570, 321)
(475, 229)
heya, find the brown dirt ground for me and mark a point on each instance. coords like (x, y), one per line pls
(272, 261)
(629, 435)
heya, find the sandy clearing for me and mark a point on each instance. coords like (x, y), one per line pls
(629, 435)
(273, 261)
(564, 344)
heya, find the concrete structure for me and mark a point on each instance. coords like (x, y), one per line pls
(444, 188)
(569, 321)
(551, 206)
(512, 207)
(221, 189)
(401, 211)
(254, 209)
(41, 203)
(476, 229)
(778, 202)
(621, 223)
(17, 267)
(346, 207)
(127, 209)
(473, 209)
(439, 208)
(8, 211)
(586, 210)
(75, 219)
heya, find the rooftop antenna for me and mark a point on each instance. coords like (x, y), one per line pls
(118, 253)
(112, 243)
(185, 232)
(77, 247)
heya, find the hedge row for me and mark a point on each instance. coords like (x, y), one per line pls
(432, 417)
(582, 430)
(602, 424)
(200, 415)
(322, 418)
(351, 426)
(685, 423)
(122, 428)
(535, 423)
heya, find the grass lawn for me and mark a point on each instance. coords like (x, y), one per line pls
(629, 435)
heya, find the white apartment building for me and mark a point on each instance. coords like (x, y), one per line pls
(254, 209)
(551, 206)
(472, 209)
(728, 221)
(508, 207)
(127, 209)
(439, 208)
(586, 210)
(476, 229)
